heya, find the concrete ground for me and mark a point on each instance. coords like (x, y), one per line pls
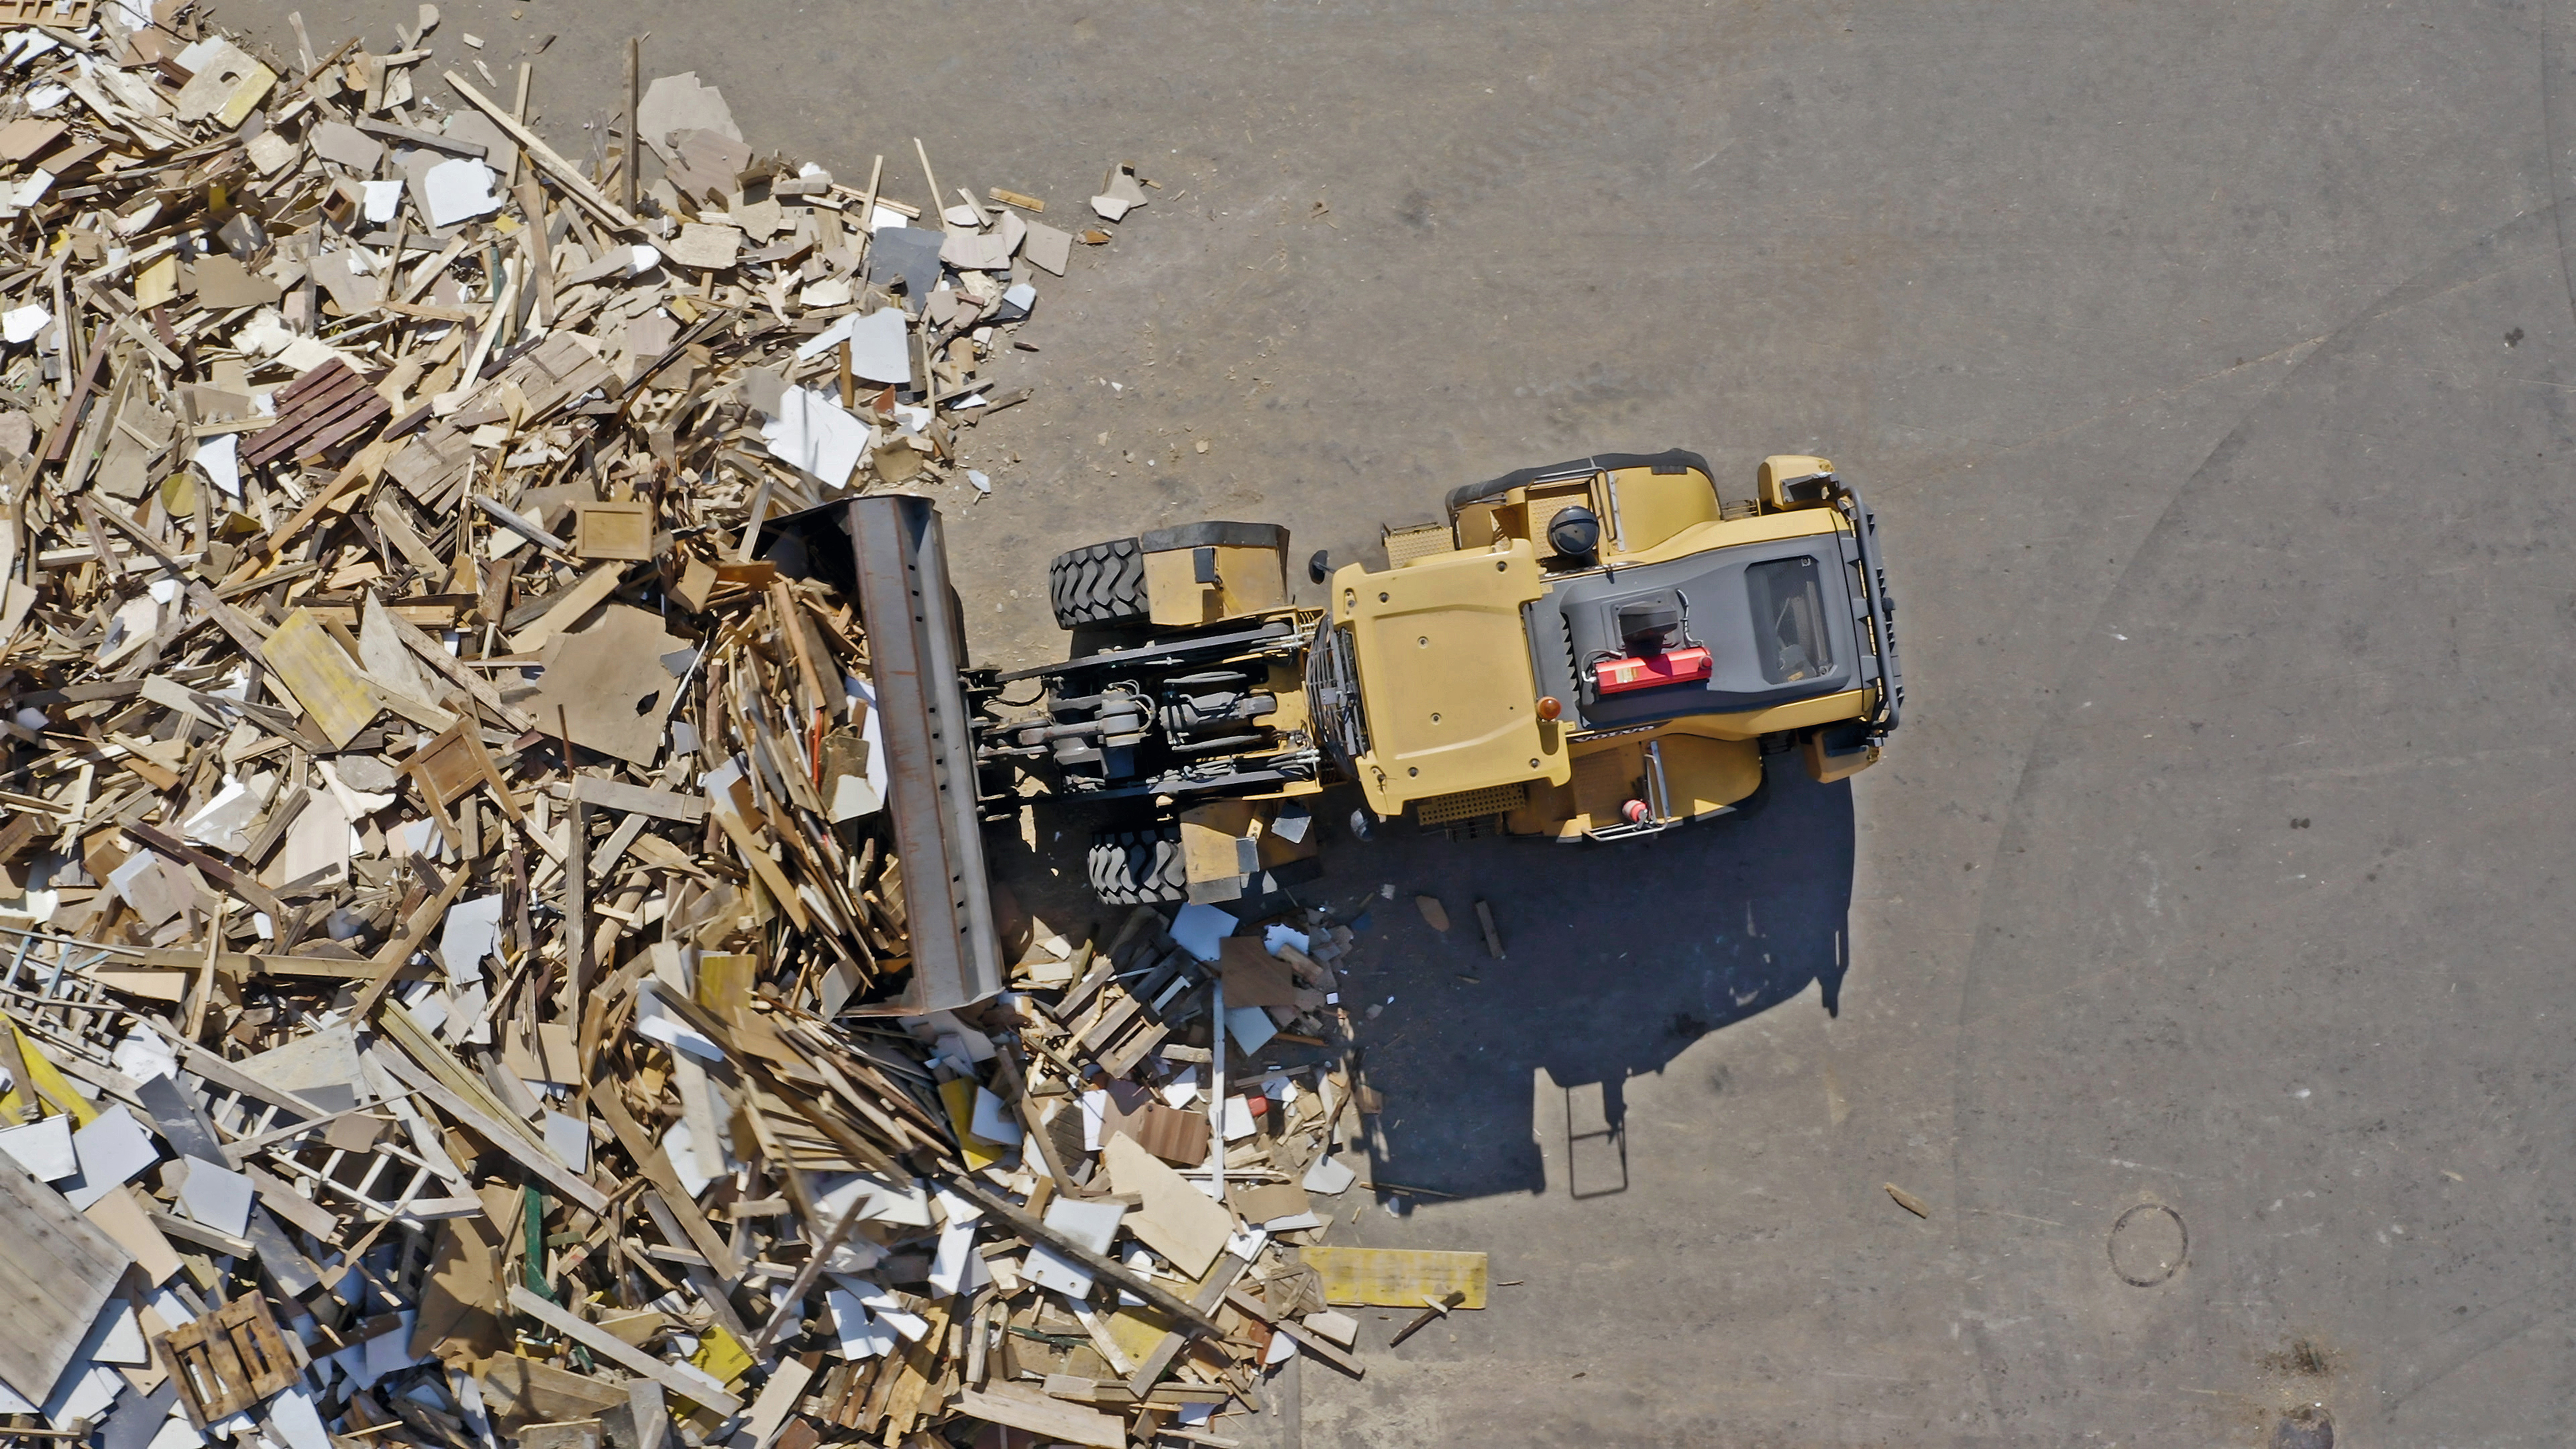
(2196, 954)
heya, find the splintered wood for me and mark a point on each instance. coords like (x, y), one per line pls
(449, 906)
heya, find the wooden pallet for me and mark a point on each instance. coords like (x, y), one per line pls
(228, 1360)
(318, 412)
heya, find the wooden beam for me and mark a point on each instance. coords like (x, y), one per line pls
(567, 175)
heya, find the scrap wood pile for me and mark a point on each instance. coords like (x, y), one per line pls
(724, 1220)
(446, 872)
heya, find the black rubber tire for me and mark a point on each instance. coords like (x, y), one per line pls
(1101, 584)
(1138, 867)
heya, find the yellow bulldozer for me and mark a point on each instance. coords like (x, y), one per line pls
(1597, 650)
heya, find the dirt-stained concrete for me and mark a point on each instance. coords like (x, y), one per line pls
(2208, 366)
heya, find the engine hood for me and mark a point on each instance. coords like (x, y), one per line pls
(1444, 675)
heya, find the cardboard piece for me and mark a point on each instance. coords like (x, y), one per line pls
(223, 284)
(458, 191)
(812, 434)
(124, 1220)
(472, 932)
(705, 245)
(216, 1196)
(113, 1149)
(1090, 1223)
(676, 103)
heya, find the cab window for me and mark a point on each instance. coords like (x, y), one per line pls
(1789, 619)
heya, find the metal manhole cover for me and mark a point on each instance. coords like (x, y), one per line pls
(2148, 1244)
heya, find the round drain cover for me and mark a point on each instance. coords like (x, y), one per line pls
(2148, 1244)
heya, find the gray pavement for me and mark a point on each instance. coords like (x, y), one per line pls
(2209, 367)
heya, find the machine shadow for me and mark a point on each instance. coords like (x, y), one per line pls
(1616, 960)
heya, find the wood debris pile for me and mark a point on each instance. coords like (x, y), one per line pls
(448, 900)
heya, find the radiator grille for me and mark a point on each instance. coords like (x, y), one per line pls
(1469, 804)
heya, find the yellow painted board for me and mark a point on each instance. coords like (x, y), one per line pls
(321, 676)
(244, 99)
(50, 1087)
(1137, 1332)
(958, 1095)
(1398, 1277)
(722, 1356)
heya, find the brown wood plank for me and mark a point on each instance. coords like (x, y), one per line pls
(330, 411)
(317, 403)
(316, 390)
(342, 430)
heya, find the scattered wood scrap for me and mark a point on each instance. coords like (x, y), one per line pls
(448, 909)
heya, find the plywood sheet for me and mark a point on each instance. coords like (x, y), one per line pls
(56, 1271)
(1176, 1219)
(609, 681)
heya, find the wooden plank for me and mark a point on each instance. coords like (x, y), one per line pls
(319, 409)
(406, 941)
(655, 1164)
(56, 1272)
(238, 882)
(224, 1074)
(362, 467)
(1398, 1277)
(568, 607)
(438, 658)
(431, 312)
(685, 1380)
(770, 875)
(321, 676)
(308, 396)
(1015, 1407)
(637, 800)
(712, 1290)
(1212, 1290)
(432, 140)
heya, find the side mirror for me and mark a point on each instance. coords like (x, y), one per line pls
(1320, 566)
